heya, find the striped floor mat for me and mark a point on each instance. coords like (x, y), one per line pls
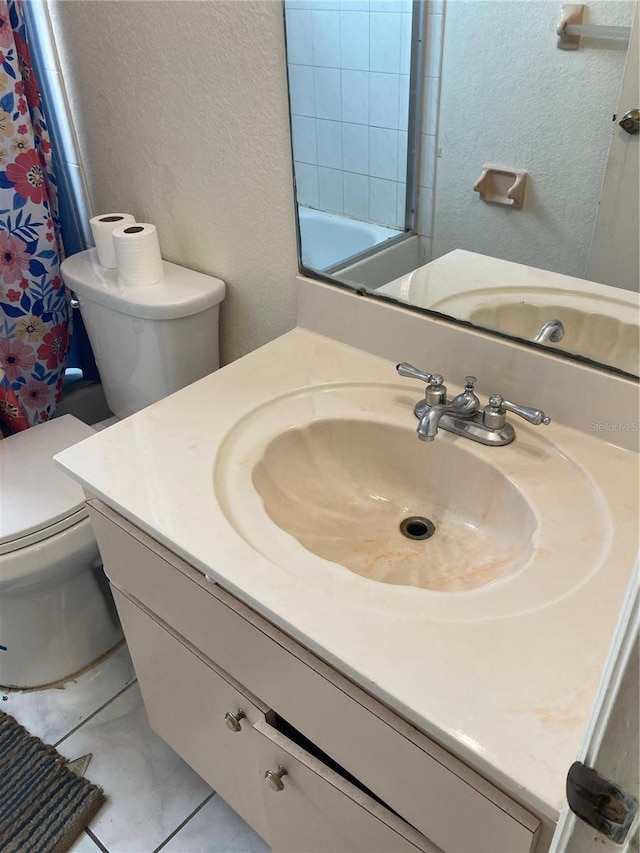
(43, 805)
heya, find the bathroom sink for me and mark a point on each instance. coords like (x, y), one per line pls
(600, 322)
(602, 329)
(332, 485)
(365, 495)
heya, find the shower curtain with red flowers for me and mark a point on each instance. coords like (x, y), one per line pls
(34, 309)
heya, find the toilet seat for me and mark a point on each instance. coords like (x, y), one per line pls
(36, 500)
(49, 562)
(56, 612)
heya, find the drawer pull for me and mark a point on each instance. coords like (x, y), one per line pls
(274, 778)
(233, 720)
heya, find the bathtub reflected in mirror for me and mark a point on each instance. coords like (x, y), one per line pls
(329, 241)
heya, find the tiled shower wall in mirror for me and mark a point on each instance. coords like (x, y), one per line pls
(349, 64)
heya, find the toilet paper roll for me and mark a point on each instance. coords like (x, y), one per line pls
(138, 254)
(102, 228)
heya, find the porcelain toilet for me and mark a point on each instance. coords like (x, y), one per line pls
(56, 611)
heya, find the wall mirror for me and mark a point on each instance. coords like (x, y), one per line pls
(427, 136)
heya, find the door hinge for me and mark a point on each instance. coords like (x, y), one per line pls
(599, 802)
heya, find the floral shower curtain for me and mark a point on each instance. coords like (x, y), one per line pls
(34, 309)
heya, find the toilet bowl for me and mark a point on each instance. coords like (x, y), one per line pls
(56, 611)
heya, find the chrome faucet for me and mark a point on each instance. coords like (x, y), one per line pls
(463, 415)
(463, 406)
(552, 332)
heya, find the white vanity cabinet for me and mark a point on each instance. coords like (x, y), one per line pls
(187, 702)
(357, 776)
(317, 810)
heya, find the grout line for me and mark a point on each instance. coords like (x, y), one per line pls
(96, 841)
(184, 822)
(93, 714)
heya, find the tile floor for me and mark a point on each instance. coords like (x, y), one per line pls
(154, 800)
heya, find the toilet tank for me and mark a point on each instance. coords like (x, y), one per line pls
(148, 341)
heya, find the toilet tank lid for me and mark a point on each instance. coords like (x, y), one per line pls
(182, 293)
(33, 494)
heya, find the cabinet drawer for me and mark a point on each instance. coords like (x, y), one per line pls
(186, 702)
(424, 783)
(318, 811)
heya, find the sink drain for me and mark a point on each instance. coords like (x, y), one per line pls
(417, 527)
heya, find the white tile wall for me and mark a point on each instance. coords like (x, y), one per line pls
(390, 5)
(403, 143)
(302, 90)
(404, 84)
(349, 71)
(355, 96)
(356, 195)
(307, 184)
(383, 153)
(329, 135)
(330, 189)
(384, 42)
(299, 36)
(354, 40)
(405, 41)
(384, 99)
(325, 30)
(349, 85)
(355, 148)
(383, 200)
(328, 89)
(305, 145)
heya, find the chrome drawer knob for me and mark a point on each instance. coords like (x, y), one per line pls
(274, 778)
(233, 720)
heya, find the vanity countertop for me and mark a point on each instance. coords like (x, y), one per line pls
(511, 695)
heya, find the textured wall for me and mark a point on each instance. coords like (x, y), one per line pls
(182, 116)
(510, 97)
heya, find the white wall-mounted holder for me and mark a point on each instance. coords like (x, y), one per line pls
(502, 185)
(571, 15)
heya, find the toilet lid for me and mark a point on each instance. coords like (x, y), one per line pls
(183, 292)
(36, 499)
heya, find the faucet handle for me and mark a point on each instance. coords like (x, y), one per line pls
(436, 392)
(411, 372)
(498, 405)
